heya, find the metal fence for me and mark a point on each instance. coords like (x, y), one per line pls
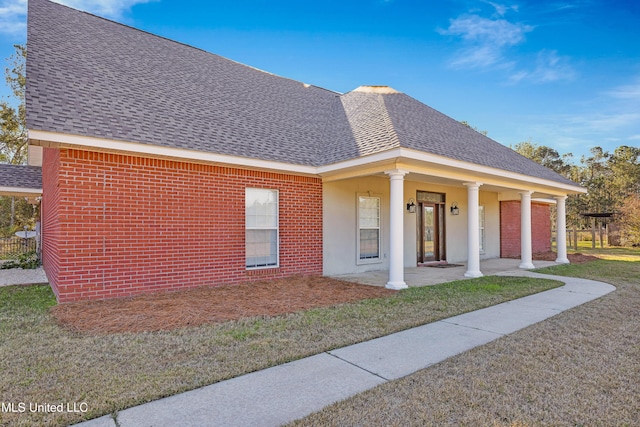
(13, 246)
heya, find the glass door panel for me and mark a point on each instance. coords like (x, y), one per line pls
(428, 232)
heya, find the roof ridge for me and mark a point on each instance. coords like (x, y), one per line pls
(319, 158)
(390, 128)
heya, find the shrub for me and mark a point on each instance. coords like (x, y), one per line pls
(27, 260)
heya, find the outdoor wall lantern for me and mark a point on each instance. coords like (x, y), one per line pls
(411, 207)
(455, 210)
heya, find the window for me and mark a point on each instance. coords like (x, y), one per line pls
(481, 227)
(261, 226)
(368, 228)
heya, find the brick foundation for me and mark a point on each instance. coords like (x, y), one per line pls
(510, 228)
(117, 225)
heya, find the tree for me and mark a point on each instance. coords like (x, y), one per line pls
(596, 177)
(629, 221)
(612, 181)
(13, 129)
(14, 212)
(466, 123)
(624, 164)
(546, 156)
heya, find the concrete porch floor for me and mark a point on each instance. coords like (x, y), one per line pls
(426, 276)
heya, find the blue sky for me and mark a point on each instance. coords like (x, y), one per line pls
(562, 73)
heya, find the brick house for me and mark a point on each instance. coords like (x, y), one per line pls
(165, 167)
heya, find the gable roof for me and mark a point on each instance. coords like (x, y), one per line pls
(92, 77)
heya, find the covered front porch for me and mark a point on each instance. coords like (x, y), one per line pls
(390, 213)
(428, 276)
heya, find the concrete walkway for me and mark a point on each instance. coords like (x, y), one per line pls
(287, 392)
(427, 276)
(18, 276)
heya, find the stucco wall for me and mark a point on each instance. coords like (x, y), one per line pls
(340, 222)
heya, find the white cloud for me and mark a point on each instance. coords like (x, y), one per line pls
(611, 122)
(631, 91)
(106, 8)
(502, 9)
(549, 67)
(486, 39)
(13, 13)
(487, 44)
(480, 57)
(577, 133)
(13, 16)
(498, 32)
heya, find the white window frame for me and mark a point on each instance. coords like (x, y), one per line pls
(378, 259)
(263, 227)
(481, 229)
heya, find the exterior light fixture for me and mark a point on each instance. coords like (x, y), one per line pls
(455, 210)
(411, 206)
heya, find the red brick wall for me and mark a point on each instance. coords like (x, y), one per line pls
(510, 228)
(129, 225)
(540, 228)
(49, 214)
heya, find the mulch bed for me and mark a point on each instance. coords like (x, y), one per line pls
(576, 258)
(197, 306)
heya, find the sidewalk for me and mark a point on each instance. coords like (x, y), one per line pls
(18, 276)
(281, 394)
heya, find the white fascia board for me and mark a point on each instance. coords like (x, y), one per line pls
(385, 156)
(407, 153)
(179, 153)
(20, 190)
(395, 154)
(445, 161)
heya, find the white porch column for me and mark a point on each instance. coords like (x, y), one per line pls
(526, 257)
(396, 229)
(473, 230)
(561, 230)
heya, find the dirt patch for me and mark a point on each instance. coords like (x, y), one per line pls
(192, 307)
(576, 258)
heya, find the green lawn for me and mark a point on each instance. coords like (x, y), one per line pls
(579, 368)
(41, 362)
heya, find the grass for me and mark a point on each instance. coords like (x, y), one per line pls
(579, 368)
(42, 363)
(611, 253)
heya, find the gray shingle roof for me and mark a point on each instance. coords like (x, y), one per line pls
(20, 176)
(93, 77)
(422, 128)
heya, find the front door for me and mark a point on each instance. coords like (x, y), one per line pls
(429, 236)
(430, 232)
